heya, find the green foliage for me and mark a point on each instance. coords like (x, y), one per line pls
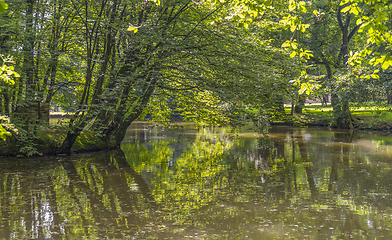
(6, 75)
(3, 6)
(4, 133)
(7, 72)
(208, 61)
(373, 21)
(27, 144)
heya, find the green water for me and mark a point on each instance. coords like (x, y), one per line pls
(207, 183)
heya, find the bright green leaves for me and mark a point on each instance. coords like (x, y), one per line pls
(4, 121)
(202, 108)
(293, 45)
(375, 76)
(353, 8)
(308, 84)
(6, 75)
(133, 29)
(375, 24)
(7, 72)
(158, 108)
(295, 5)
(243, 13)
(289, 44)
(386, 63)
(3, 6)
(308, 87)
(294, 23)
(3, 133)
(292, 5)
(384, 60)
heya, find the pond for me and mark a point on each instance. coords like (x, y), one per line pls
(206, 183)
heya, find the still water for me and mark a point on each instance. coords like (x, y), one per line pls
(207, 183)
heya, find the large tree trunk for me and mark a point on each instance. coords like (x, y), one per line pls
(300, 104)
(25, 102)
(115, 133)
(341, 108)
(341, 112)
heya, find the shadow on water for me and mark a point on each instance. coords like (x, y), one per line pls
(207, 183)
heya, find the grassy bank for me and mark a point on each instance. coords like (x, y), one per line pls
(369, 116)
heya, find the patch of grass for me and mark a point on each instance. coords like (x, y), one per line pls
(87, 141)
(366, 116)
(58, 122)
(51, 139)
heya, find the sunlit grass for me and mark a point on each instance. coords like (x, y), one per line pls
(369, 110)
(58, 121)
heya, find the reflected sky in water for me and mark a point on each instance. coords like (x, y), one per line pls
(206, 183)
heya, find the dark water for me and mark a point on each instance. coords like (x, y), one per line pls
(212, 183)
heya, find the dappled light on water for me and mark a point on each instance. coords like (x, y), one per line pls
(205, 183)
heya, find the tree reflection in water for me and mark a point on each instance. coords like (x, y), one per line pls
(209, 183)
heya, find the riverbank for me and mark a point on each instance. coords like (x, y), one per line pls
(47, 140)
(378, 118)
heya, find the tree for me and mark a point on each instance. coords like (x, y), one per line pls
(6, 73)
(336, 35)
(174, 49)
(112, 61)
(204, 59)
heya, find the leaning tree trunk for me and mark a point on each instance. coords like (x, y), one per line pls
(115, 133)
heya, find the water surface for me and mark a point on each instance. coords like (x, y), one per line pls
(206, 183)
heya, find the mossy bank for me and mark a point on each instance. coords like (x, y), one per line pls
(48, 142)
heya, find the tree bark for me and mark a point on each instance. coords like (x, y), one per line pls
(300, 104)
(23, 111)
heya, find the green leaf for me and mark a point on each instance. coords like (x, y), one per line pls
(3, 6)
(346, 9)
(292, 7)
(385, 65)
(4, 133)
(375, 76)
(286, 44)
(293, 54)
(132, 28)
(355, 10)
